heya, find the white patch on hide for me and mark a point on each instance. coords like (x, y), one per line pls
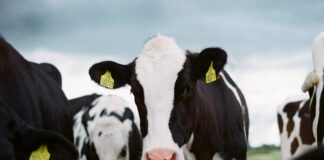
(186, 149)
(318, 60)
(311, 80)
(79, 132)
(217, 157)
(236, 94)
(287, 141)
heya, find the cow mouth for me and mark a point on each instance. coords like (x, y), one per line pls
(171, 156)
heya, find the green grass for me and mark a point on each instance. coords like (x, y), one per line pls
(265, 152)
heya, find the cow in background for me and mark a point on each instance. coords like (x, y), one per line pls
(189, 106)
(301, 123)
(104, 128)
(295, 121)
(33, 96)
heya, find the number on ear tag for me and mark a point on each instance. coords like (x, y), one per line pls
(107, 80)
(40, 154)
(211, 74)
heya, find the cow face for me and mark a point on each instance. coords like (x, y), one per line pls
(109, 130)
(163, 80)
(107, 120)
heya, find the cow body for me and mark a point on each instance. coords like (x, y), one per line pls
(189, 106)
(295, 119)
(295, 126)
(301, 123)
(104, 129)
(33, 94)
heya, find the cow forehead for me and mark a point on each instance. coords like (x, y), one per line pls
(157, 69)
(110, 102)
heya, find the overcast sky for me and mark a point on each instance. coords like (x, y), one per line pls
(268, 42)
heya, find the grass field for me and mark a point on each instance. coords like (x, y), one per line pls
(265, 152)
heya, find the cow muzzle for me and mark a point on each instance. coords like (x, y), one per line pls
(161, 154)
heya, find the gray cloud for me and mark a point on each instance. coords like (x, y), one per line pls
(120, 27)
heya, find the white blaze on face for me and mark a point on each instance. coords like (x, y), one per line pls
(318, 59)
(157, 69)
(112, 131)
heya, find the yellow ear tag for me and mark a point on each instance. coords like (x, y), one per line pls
(40, 154)
(107, 80)
(211, 74)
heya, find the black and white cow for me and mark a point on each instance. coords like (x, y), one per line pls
(295, 121)
(318, 60)
(189, 106)
(32, 92)
(104, 128)
(301, 123)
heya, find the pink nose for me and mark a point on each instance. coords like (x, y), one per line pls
(161, 154)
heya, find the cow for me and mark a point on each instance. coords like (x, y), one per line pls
(295, 121)
(318, 61)
(301, 123)
(104, 128)
(33, 93)
(189, 106)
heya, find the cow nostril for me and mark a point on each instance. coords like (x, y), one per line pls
(173, 157)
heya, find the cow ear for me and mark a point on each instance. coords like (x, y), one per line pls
(52, 71)
(110, 74)
(208, 64)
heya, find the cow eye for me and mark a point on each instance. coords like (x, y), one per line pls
(99, 134)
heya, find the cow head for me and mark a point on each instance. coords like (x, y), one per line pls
(105, 120)
(163, 79)
(109, 130)
(18, 140)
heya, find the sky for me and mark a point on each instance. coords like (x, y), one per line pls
(268, 42)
